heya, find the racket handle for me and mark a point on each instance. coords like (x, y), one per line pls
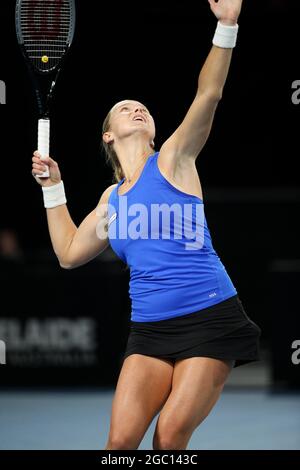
(43, 142)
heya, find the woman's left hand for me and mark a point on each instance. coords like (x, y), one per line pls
(226, 11)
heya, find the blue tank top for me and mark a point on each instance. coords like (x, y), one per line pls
(161, 233)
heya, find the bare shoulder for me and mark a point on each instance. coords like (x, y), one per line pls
(106, 193)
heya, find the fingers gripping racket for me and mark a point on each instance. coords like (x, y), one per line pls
(45, 30)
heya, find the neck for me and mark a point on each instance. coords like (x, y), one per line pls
(132, 153)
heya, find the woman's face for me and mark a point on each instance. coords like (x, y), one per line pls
(129, 117)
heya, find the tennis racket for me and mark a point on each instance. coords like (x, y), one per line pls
(45, 30)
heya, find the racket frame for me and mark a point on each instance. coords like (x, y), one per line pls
(43, 104)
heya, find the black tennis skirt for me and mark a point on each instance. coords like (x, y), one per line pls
(221, 331)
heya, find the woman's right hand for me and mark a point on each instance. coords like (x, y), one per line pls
(38, 167)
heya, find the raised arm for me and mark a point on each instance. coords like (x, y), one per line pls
(189, 138)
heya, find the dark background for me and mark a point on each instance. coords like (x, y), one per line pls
(153, 52)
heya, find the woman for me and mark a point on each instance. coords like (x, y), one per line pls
(188, 325)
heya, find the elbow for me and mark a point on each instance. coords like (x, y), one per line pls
(212, 95)
(65, 265)
(215, 95)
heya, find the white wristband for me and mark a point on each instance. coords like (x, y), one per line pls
(225, 35)
(54, 195)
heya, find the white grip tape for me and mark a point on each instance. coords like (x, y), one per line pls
(225, 35)
(43, 142)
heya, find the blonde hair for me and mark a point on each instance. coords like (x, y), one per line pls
(111, 157)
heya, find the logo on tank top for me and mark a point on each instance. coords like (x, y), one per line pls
(213, 294)
(112, 218)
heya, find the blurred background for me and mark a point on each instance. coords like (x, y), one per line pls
(65, 331)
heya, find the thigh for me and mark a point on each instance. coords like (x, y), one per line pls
(143, 387)
(196, 386)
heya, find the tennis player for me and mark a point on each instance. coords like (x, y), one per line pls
(188, 325)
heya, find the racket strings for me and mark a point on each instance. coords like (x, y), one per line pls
(46, 27)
